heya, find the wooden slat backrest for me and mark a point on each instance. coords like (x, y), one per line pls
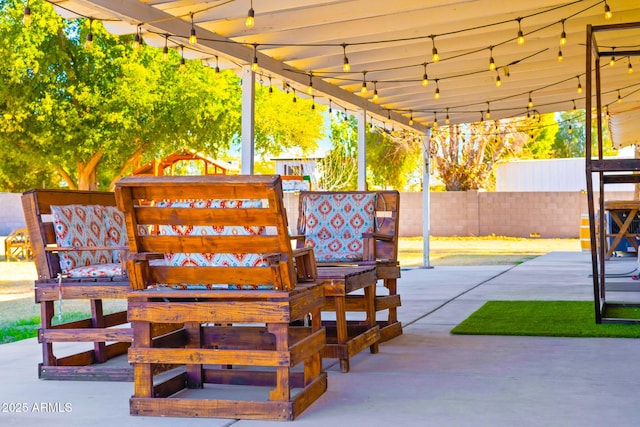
(386, 219)
(138, 197)
(36, 205)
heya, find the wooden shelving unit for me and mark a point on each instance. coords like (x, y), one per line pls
(609, 171)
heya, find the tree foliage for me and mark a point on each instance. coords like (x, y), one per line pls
(570, 140)
(392, 157)
(87, 116)
(465, 155)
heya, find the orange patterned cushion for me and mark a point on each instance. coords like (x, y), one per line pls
(80, 226)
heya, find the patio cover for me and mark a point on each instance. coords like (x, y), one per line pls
(389, 47)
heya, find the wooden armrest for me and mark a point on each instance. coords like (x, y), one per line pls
(383, 237)
(305, 262)
(144, 256)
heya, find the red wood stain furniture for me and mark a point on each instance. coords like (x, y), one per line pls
(228, 274)
(331, 223)
(58, 282)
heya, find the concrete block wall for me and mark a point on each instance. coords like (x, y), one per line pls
(11, 216)
(455, 213)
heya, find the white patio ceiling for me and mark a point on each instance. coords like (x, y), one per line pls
(388, 43)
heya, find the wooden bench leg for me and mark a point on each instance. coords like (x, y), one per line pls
(194, 371)
(342, 335)
(142, 372)
(282, 392)
(370, 309)
(313, 364)
(97, 320)
(46, 319)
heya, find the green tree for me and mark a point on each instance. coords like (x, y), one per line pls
(391, 157)
(571, 137)
(90, 115)
(465, 155)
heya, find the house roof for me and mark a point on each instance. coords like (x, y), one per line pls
(389, 47)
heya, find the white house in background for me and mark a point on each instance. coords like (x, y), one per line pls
(297, 173)
(548, 175)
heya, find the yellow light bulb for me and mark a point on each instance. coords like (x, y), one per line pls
(434, 55)
(250, 21)
(26, 18)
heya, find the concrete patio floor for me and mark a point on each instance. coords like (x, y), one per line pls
(426, 377)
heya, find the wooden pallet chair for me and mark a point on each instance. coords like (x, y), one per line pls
(76, 239)
(228, 275)
(356, 228)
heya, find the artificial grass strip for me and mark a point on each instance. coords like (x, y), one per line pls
(546, 318)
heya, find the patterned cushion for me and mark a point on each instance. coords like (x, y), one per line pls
(211, 259)
(97, 270)
(80, 226)
(334, 224)
(116, 229)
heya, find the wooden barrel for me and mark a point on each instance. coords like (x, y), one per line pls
(585, 235)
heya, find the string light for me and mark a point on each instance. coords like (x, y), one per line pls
(612, 61)
(563, 35)
(217, 69)
(363, 88)
(607, 11)
(425, 78)
(619, 97)
(520, 33)
(26, 18)
(165, 49)
(345, 63)
(250, 21)
(375, 90)
(330, 109)
(294, 96)
(530, 103)
(606, 112)
(183, 64)
(310, 87)
(574, 106)
(192, 36)
(434, 52)
(254, 63)
(270, 85)
(498, 81)
(137, 39)
(446, 119)
(313, 102)
(492, 62)
(629, 67)
(89, 41)
(488, 113)
(411, 118)
(579, 85)
(435, 120)
(570, 130)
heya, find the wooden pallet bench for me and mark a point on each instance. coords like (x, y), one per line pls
(356, 228)
(252, 338)
(75, 241)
